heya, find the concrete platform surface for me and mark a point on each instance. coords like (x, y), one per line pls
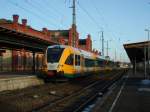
(133, 95)
(14, 81)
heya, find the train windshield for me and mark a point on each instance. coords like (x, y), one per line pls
(54, 54)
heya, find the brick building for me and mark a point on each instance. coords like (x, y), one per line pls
(22, 59)
(86, 44)
(65, 37)
(59, 36)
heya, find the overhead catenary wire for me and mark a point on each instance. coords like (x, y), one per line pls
(44, 6)
(42, 12)
(56, 10)
(93, 20)
(100, 14)
(31, 12)
(90, 16)
(110, 32)
(56, 13)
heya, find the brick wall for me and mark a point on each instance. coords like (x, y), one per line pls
(24, 28)
(45, 33)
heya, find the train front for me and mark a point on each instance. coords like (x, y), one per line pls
(53, 56)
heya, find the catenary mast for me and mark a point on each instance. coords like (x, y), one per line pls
(74, 23)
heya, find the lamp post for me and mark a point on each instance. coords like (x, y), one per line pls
(148, 31)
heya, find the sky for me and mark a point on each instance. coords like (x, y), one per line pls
(122, 21)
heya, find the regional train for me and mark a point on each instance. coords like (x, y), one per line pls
(69, 62)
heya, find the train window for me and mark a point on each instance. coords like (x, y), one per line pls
(89, 62)
(77, 59)
(101, 63)
(69, 60)
(54, 54)
(82, 60)
(96, 63)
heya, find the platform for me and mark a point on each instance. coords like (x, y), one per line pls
(132, 95)
(14, 81)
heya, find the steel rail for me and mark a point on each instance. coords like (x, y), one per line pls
(103, 90)
(103, 87)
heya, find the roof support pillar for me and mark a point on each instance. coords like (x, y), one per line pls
(145, 64)
(14, 64)
(134, 65)
(33, 67)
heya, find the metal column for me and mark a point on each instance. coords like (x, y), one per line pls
(145, 65)
(33, 68)
(134, 65)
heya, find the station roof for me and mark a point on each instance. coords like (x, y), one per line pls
(13, 39)
(137, 51)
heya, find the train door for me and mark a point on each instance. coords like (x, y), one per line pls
(77, 65)
(82, 64)
(68, 67)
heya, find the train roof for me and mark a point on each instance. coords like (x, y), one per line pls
(58, 46)
(86, 54)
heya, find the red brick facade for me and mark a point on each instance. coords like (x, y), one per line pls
(24, 28)
(45, 33)
(21, 59)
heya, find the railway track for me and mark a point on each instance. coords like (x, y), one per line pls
(28, 99)
(78, 100)
(62, 102)
(102, 90)
(60, 95)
